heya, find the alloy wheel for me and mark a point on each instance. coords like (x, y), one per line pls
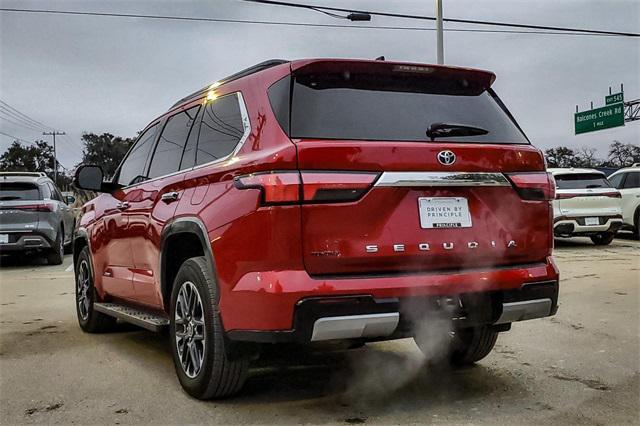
(82, 289)
(190, 329)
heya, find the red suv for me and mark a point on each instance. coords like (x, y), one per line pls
(320, 200)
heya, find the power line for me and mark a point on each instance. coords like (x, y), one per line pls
(25, 116)
(15, 137)
(7, 112)
(298, 24)
(459, 21)
(32, 128)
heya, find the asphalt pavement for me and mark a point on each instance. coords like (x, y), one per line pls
(581, 366)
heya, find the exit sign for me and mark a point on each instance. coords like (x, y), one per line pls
(616, 98)
(599, 118)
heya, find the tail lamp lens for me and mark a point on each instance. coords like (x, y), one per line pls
(276, 188)
(536, 186)
(308, 186)
(565, 195)
(328, 187)
(40, 207)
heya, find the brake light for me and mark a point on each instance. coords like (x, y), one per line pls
(276, 188)
(565, 195)
(534, 186)
(328, 187)
(288, 187)
(44, 207)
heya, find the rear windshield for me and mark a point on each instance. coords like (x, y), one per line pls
(18, 191)
(330, 107)
(581, 181)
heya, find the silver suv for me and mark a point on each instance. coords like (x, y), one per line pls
(34, 216)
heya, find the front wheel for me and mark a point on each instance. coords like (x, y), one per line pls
(603, 239)
(203, 366)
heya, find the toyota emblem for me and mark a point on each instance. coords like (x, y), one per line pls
(446, 158)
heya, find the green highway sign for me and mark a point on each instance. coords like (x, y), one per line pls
(616, 98)
(600, 118)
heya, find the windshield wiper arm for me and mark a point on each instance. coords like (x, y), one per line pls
(446, 130)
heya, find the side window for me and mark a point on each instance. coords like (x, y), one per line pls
(616, 181)
(45, 190)
(633, 180)
(133, 167)
(189, 154)
(55, 195)
(166, 158)
(221, 129)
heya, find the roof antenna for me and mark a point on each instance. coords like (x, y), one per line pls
(380, 58)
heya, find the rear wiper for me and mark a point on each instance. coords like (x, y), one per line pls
(446, 130)
(9, 197)
(594, 186)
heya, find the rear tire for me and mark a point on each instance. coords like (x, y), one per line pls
(636, 224)
(466, 346)
(472, 344)
(89, 320)
(202, 361)
(603, 239)
(56, 253)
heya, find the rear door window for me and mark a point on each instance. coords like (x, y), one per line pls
(133, 168)
(581, 181)
(221, 129)
(329, 106)
(19, 191)
(168, 153)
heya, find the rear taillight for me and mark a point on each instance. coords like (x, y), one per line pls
(565, 195)
(327, 187)
(276, 188)
(308, 186)
(44, 207)
(534, 186)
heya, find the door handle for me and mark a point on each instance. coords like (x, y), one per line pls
(170, 197)
(123, 205)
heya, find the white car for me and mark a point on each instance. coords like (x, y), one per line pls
(627, 181)
(586, 205)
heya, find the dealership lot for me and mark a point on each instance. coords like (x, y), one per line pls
(580, 366)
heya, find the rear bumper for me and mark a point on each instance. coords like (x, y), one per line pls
(566, 226)
(481, 298)
(24, 241)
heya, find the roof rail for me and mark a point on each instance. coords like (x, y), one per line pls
(34, 174)
(245, 72)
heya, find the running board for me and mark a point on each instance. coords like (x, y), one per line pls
(150, 321)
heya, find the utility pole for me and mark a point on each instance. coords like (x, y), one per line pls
(440, 32)
(55, 157)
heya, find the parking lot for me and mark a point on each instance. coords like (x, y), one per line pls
(581, 366)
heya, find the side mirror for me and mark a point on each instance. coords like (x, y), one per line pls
(70, 199)
(91, 178)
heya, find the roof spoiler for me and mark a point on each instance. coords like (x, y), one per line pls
(450, 80)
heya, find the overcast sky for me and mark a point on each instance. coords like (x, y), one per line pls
(101, 74)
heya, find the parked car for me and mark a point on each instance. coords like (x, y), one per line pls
(34, 216)
(321, 200)
(586, 205)
(627, 181)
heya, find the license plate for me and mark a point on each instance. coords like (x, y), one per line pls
(444, 212)
(591, 221)
(4, 238)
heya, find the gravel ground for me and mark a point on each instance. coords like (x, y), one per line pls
(581, 366)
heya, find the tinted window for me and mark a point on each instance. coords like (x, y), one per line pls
(616, 180)
(221, 129)
(55, 195)
(368, 108)
(633, 180)
(581, 181)
(189, 155)
(166, 158)
(19, 191)
(135, 164)
(279, 95)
